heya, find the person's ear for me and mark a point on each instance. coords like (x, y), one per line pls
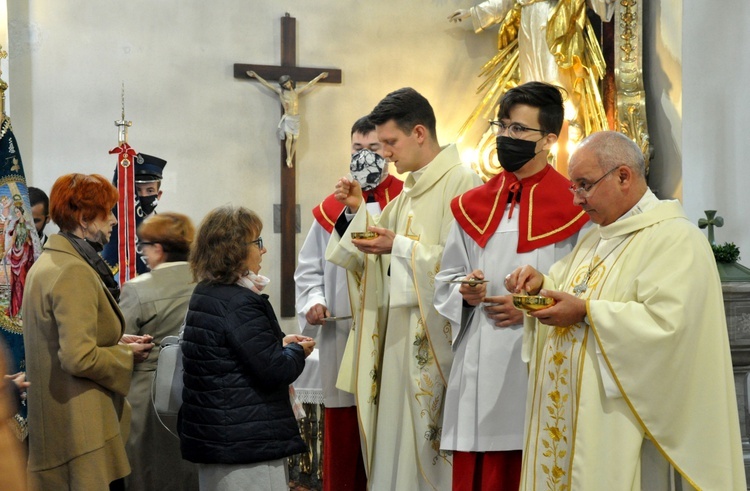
(420, 132)
(625, 176)
(549, 140)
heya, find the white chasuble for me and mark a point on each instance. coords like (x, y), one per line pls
(398, 356)
(650, 368)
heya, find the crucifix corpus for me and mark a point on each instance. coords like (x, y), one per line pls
(287, 73)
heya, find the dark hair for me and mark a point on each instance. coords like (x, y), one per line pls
(407, 108)
(174, 231)
(284, 79)
(363, 126)
(37, 196)
(222, 244)
(80, 197)
(546, 97)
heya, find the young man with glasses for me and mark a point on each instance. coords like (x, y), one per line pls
(630, 369)
(524, 214)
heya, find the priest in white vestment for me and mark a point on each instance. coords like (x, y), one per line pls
(398, 358)
(323, 295)
(630, 370)
(524, 215)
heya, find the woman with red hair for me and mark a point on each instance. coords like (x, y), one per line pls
(77, 360)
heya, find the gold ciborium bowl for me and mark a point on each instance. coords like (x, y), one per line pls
(365, 235)
(530, 303)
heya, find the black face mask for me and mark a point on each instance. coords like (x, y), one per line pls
(514, 154)
(147, 204)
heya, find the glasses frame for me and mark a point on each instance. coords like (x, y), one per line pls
(258, 241)
(498, 128)
(584, 190)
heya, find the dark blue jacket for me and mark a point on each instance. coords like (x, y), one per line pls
(236, 407)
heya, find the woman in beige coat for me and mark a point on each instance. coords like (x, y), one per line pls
(78, 366)
(155, 303)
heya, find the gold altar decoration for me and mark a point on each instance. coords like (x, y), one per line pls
(572, 41)
(631, 96)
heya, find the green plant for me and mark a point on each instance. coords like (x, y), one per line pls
(726, 253)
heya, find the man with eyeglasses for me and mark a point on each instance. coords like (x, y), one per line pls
(522, 215)
(630, 369)
(323, 294)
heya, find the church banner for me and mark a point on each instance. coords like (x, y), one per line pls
(20, 247)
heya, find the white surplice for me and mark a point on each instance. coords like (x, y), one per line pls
(486, 396)
(320, 282)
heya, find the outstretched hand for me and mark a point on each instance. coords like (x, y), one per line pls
(568, 309)
(382, 244)
(524, 279)
(317, 314)
(473, 294)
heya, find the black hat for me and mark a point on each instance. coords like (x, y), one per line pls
(148, 168)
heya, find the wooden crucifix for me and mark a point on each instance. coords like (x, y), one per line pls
(288, 207)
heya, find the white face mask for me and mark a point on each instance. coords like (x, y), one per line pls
(254, 282)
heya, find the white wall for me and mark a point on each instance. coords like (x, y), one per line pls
(68, 60)
(662, 67)
(716, 115)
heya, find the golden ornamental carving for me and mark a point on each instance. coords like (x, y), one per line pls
(631, 95)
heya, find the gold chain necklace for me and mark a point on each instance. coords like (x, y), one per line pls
(581, 287)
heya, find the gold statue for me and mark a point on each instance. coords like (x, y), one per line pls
(289, 95)
(548, 41)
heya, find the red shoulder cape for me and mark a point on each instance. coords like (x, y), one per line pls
(327, 212)
(548, 214)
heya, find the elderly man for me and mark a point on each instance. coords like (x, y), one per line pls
(630, 368)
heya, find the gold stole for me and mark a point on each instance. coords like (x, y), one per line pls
(559, 366)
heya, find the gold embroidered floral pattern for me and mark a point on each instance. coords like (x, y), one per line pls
(422, 344)
(431, 274)
(430, 392)
(556, 443)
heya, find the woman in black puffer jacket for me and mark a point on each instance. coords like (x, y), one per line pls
(236, 419)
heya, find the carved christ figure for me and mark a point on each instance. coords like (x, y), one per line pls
(288, 129)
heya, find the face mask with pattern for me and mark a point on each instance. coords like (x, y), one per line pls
(366, 168)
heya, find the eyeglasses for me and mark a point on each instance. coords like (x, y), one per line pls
(515, 130)
(258, 241)
(584, 190)
(139, 247)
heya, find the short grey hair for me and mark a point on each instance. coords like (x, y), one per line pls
(613, 149)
